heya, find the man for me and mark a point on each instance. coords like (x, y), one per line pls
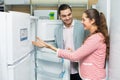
(69, 36)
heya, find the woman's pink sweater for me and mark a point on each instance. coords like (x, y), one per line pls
(91, 57)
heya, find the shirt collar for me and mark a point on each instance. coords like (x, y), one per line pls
(72, 25)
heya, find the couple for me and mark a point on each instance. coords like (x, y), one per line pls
(91, 55)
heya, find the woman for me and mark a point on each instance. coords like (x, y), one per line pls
(92, 54)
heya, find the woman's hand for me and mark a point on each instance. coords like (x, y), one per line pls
(39, 42)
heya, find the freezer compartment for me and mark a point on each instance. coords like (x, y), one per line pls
(48, 55)
(50, 69)
(23, 70)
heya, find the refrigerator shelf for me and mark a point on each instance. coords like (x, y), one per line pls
(59, 61)
(44, 65)
(49, 56)
(46, 50)
(50, 74)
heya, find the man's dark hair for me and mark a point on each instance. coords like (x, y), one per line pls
(63, 7)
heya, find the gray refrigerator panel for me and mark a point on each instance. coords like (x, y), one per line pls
(114, 59)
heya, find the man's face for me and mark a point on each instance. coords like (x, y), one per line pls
(66, 17)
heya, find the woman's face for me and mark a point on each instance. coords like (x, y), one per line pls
(86, 22)
(66, 16)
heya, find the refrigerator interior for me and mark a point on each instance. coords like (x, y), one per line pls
(17, 52)
(49, 66)
(45, 29)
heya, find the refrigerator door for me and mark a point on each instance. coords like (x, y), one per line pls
(18, 35)
(21, 70)
(49, 66)
(33, 29)
(16, 50)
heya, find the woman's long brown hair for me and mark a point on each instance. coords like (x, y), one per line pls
(101, 24)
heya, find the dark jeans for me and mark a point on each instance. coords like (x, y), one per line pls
(75, 76)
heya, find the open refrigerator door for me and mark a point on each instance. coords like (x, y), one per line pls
(49, 66)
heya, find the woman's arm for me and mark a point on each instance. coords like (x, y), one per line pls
(41, 43)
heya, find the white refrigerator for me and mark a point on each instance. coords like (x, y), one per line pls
(16, 50)
(114, 58)
(48, 65)
(19, 59)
